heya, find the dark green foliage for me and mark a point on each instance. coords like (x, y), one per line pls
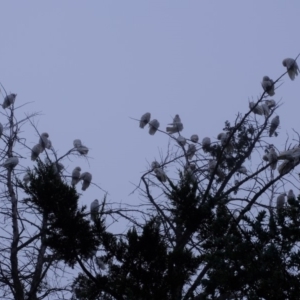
(69, 233)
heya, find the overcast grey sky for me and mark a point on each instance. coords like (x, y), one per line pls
(90, 65)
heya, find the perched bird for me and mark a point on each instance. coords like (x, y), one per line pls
(153, 126)
(206, 144)
(271, 103)
(291, 195)
(236, 183)
(160, 174)
(35, 151)
(274, 124)
(280, 201)
(291, 154)
(77, 143)
(285, 167)
(176, 125)
(9, 100)
(265, 109)
(44, 141)
(86, 178)
(291, 66)
(195, 138)
(266, 157)
(155, 164)
(49, 144)
(83, 150)
(258, 110)
(272, 158)
(59, 166)
(11, 162)
(145, 119)
(211, 167)
(191, 151)
(223, 137)
(76, 176)
(242, 170)
(100, 263)
(268, 86)
(181, 140)
(189, 171)
(94, 210)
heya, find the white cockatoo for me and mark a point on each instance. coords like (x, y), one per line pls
(271, 103)
(160, 174)
(191, 151)
(285, 167)
(189, 171)
(242, 170)
(153, 126)
(291, 154)
(11, 162)
(77, 143)
(86, 178)
(195, 138)
(268, 86)
(145, 119)
(211, 167)
(274, 124)
(280, 201)
(258, 110)
(291, 66)
(272, 158)
(291, 195)
(76, 176)
(44, 140)
(223, 137)
(94, 210)
(36, 151)
(181, 140)
(155, 164)
(265, 109)
(177, 125)
(9, 100)
(206, 144)
(83, 150)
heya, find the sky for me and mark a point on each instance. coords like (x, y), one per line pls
(91, 66)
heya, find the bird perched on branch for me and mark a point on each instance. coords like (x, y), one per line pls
(212, 166)
(94, 210)
(274, 124)
(268, 86)
(206, 144)
(160, 174)
(11, 162)
(44, 142)
(9, 100)
(291, 154)
(176, 125)
(191, 151)
(83, 150)
(258, 110)
(242, 170)
(272, 158)
(86, 178)
(76, 176)
(153, 126)
(271, 103)
(145, 119)
(77, 143)
(291, 66)
(195, 138)
(181, 141)
(36, 151)
(291, 195)
(280, 201)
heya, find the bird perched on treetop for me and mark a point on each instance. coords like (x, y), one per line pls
(176, 125)
(94, 210)
(11, 162)
(76, 176)
(268, 85)
(86, 178)
(274, 124)
(153, 126)
(9, 100)
(145, 119)
(291, 66)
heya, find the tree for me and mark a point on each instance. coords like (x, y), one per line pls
(212, 228)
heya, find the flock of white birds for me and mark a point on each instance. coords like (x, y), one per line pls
(290, 157)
